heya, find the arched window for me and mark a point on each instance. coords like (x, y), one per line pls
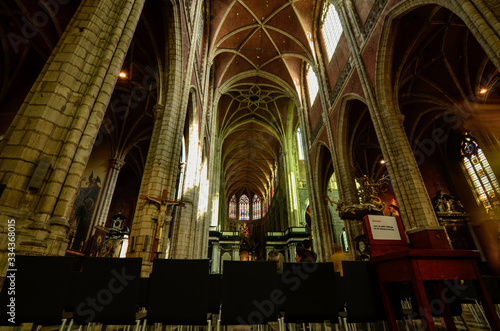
(345, 242)
(299, 144)
(332, 184)
(331, 29)
(232, 207)
(256, 208)
(312, 84)
(481, 178)
(244, 208)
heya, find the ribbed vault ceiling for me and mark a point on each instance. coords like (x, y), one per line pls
(439, 67)
(258, 49)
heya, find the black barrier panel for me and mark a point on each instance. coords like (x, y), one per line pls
(363, 298)
(108, 291)
(250, 293)
(71, 295)
(492, 284)
(214, 293)
(339, 284)
(37, 285)
(310, 292)
(143, 295)
(280, 304)
(178, 292)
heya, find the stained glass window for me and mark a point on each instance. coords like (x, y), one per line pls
(232, 207)
(256, 208)
(481, 177)
(244, 208)
(331, 29)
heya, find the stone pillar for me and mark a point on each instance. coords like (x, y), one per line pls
(483, 19)
(323, 235)
(291, 171)
(205, 220)
(153, 185)
(236, 253)
(348, 193)
(161, 168)
(216, 252)
(268, 249)
(311, 188)
(183, 233)
(115, 166)
(353, 15)
(291, 252)
(214, 177)
(409, 188)
(184, 224)
(59, 120)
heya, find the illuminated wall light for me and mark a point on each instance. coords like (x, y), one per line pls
(483, 91)
(122, 74)
(382, 161)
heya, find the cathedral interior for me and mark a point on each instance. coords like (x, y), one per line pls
(246, 130)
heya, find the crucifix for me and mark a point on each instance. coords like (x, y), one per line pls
(163, 204)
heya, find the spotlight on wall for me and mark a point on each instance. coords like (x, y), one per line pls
(122, 74)
(382, 161)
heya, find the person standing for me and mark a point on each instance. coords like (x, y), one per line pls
(337, 257)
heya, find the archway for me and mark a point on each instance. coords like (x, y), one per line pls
(443, 83)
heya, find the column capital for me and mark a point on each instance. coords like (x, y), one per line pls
(315, 68)
(158, 110)
(401, 118)
(116, 164)
(336, 3)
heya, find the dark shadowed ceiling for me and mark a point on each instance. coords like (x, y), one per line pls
(439, 71)
(29, 31)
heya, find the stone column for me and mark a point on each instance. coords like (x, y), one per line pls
(482, 18)
(115, 166)
(409, 188)
(184, 225)
(236, 252)
(59, 121)
(291, 252)
(353, 15)
(153, 185)
(161, 168)
(210, 218)
(216, 252)
(183, 233)
(323, 236)
(311, 188)
(268, 249)
(291, 170)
